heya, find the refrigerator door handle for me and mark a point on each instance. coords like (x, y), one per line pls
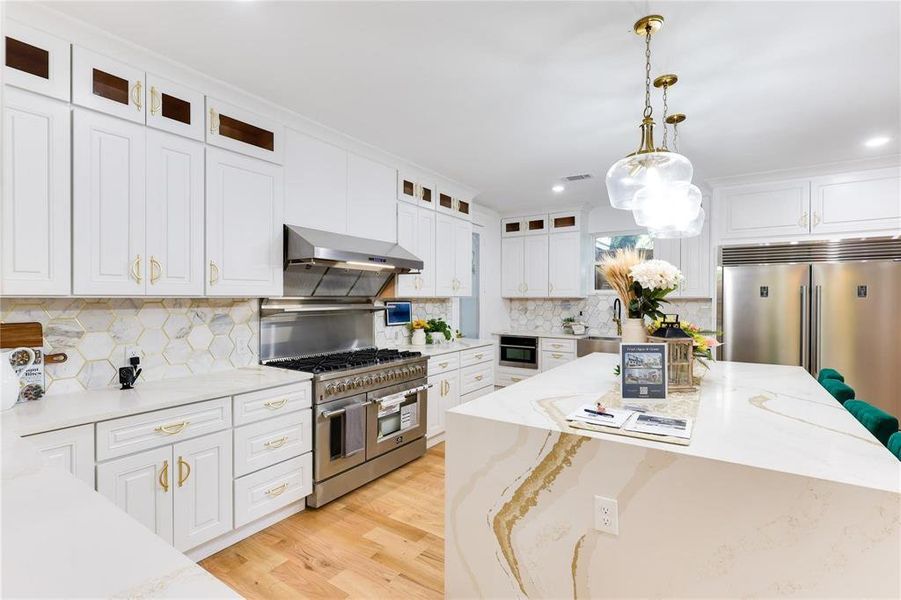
(805, 329)
(818, 328)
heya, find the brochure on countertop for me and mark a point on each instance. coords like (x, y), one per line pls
(660, 425)
(609, 417)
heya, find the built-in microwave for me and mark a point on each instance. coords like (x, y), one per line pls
(518, 351)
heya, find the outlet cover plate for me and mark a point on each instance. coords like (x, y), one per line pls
(606, 515)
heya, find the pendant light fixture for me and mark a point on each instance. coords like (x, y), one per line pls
(653, 182)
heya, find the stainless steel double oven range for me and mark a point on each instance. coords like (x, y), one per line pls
(369, 405)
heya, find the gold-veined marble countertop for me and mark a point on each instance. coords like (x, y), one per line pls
(448, 347)
(56, 411)
(765, 416)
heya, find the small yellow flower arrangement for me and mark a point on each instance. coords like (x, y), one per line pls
(419, 324)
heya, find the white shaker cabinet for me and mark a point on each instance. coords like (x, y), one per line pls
(202, 482)
(442, 396)
(371, 199)
(453, 256)
(416, 233)
(512, 267)
(36, 209)
(766, 210)
(535, 273)
(315, 183)
(565, 276)
(244, 221)
(175, 216)
(240, 130)
(108, 183)
(857, 202)
(463, 259)
(70, 449)
(36, 61)
(107, 85)
(142, 486)
(174, 108)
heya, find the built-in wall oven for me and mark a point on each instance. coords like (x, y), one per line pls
(518, 351)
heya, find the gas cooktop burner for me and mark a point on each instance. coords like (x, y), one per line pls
(322, 363)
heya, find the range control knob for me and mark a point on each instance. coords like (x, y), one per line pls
(330, 389)
(358, 383)
(405, 372)
(341, 386)
(367, 381)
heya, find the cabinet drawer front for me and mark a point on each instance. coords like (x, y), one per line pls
(265, 443)
(273, 402)
(476, 356)
(260, 493)
(504, 377)
(476, 394)
(558, 345)
(476, 377)
(444, 363)
(550, 360)
(149, 430)
(36, 61)
(174, 108)
(107, 85)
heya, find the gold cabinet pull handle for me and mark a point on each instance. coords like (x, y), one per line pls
(443, 365)
(816, 218)
(555, 355)
(173, 428)
(156, 270)
(214, 121)
(136, 269)
(214, 272)
(515, 379)
(277, 443)
(277, 491)
(183, 479)
(156, 102)
(550, 287)
(275, 404)
(802, 222)
(478, 377)
(164, 476)
(136, 95)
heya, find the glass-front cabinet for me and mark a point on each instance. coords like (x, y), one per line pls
(240, 130)
(36, 61)
(413, 188)
(174, 108)
(107, 85)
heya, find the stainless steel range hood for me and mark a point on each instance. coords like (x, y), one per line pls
(320, 264)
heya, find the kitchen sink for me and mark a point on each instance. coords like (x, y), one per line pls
(596, 343)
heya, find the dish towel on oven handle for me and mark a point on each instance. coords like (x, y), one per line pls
(354, 429)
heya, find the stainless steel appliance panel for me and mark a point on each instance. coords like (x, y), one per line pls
(329, 431)
(518, 351)
(765, 313)
(301, 334)
(856, 326)
(388, 428)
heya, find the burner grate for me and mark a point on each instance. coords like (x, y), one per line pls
(336, 361)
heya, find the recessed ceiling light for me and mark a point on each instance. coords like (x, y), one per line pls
(875, 142)
(558, 188)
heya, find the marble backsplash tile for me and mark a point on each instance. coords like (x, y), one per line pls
(176, 336)
(597, 313)
(426, 308)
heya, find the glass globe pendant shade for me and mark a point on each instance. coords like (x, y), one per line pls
(654, 170)
(693, 229)
(672, 206)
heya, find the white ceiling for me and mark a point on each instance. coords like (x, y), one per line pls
(509, 96)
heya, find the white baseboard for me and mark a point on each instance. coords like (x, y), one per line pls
(232, 537)
(434, 440)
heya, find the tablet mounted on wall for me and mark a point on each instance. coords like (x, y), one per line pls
(398, 313)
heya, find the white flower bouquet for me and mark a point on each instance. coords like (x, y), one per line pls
(652, 281)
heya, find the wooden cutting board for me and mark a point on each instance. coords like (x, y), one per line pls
(16, 335)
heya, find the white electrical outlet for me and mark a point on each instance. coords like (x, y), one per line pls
(606, 515)
(131, 352)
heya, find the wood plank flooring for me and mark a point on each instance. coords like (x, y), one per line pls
(384, 540)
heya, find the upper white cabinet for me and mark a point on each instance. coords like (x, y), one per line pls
(563, 222)
(244, 202)
(454, 202)
(463, 257)
(240, 130)
(36, 208)
(766, 209)
(174, 108)
(174, 216)
(108, 183)
(107, 85)
(315, 183)
(415, 188)
(371, 199)
(416, 233)
(36, 61)
(538, 264)
(861, 201)
(524, 267)
(453, 256)
(565, 265)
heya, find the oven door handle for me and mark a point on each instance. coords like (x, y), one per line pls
(331, 414)
(395, 399)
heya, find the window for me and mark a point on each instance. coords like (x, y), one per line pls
(607, 244)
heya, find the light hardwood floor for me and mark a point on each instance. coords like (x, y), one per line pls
(384, 540)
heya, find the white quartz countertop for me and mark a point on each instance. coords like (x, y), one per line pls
(765, 416)
(448, 347)
(542, 334)
(68, 410)
(61, 539)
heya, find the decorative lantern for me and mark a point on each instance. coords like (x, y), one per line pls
(679, 352)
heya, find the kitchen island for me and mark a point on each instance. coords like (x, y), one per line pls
(780, 492)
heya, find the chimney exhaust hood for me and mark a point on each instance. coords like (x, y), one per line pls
(324, 264)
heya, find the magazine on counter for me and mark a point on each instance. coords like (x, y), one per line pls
(609, 417)
(661, 425)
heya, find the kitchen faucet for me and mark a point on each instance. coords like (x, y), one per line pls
(618, 316)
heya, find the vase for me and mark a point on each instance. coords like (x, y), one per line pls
(634, 332)
(418, 338)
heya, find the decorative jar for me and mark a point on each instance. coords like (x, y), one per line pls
(418, 337)
(634, 331)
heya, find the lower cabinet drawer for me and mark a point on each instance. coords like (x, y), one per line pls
(119, 437)
(550, 360)
(476, 356)
(558, 345)
(476, 377)
(256, 406)
(476, 394)
(260, 493)
(265, 443)
(508, 376)
(444, 363)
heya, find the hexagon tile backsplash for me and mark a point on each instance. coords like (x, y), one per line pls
(177, 336)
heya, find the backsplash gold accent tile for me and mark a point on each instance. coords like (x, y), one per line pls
(177, 336)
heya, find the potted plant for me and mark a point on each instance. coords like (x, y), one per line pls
(570, 325)
(642, 285)
(440, 327)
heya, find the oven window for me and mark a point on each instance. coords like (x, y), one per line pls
(399, 418)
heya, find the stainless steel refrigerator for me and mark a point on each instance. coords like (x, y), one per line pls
(817, 304)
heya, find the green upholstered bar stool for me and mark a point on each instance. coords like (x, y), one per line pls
(894, 444)
(825, 374)
(840, 391)
(878, 422)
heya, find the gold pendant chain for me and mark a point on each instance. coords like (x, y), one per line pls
(665, 108)
(648, 109)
